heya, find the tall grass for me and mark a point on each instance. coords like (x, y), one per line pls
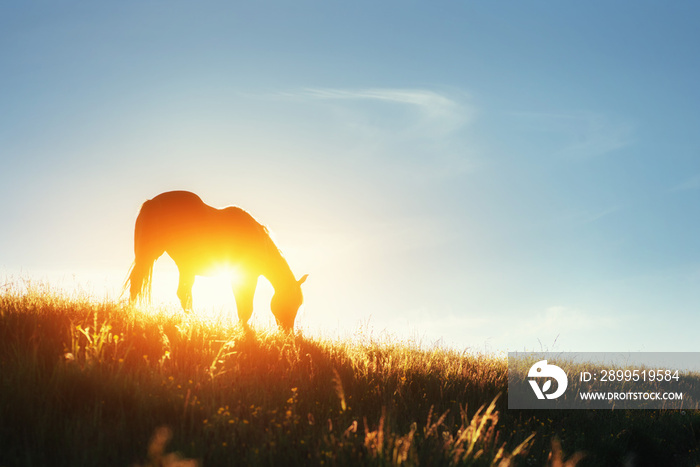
(86, 382)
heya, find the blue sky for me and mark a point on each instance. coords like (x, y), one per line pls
(499, 176)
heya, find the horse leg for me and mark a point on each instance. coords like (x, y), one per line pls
(184, 290)
(243, 292)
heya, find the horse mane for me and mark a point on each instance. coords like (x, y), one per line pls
(258, 229)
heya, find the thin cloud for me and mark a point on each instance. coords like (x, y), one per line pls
(430, 101)
(433, 106)
(408, 134)
(582, 135)
(588, 216)
(547, 326)
(563, 318)
(690, 184)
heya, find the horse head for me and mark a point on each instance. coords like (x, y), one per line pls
(286, 302)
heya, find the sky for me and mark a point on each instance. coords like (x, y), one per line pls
(491, 176)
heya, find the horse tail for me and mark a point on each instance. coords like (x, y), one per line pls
(141, 272)
(139, 280)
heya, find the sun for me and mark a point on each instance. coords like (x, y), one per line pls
(214, 292)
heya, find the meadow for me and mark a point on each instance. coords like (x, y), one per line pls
(94, 382)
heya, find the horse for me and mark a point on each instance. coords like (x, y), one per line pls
(201, 239)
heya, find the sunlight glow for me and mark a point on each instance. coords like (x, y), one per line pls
(216, 289)
(212, 294)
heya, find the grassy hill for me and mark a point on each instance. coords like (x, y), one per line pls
(100, 383)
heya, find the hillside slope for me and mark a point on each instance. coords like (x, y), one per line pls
(93, 383)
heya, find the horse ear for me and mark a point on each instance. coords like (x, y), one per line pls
(303, 278)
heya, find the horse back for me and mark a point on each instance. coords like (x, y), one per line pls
(192, 231)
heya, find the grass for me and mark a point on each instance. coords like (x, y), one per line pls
(85, 382)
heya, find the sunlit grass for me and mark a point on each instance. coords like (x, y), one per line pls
(90, 382)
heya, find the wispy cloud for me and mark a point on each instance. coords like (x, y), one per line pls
(580, 135)
(692, 183)
(566, 319)
(420, 133)
(590, 215)
(547, 329)
(431, 103)
(438, 112)
(555, 326)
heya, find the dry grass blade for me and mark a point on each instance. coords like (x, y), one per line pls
(156, 451)
(556, 457)
(340, 392)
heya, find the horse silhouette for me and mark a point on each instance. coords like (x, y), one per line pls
(201, 240)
